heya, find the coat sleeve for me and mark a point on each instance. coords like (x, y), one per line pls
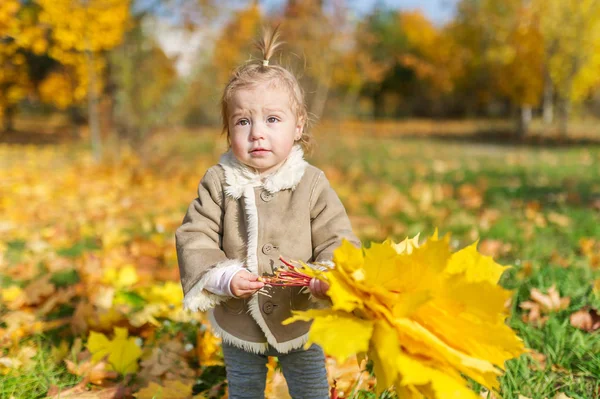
(329, 221)
(199, 243)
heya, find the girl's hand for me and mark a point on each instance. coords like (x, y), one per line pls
(244, 284)
(318, 288)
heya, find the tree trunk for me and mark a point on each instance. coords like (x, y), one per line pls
(93, 118)
(75, 118)
(9, 119)
(524, 121)
(564, 116)
(320, 98)
(548, 108)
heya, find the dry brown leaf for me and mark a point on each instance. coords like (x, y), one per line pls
(38, 289)
(62, 296)
(562, 395)
(551, 302)
(586, 319)
(488, 394)
(488, 217)
(80, 391)
(525, 270)
(559, 219)
(494, 248)
(542, 304)
(539, 358)
(94, 373)
(167, 362)
(470, 196)
(559, 260)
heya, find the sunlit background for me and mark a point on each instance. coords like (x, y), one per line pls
(477, 117)
(126, 69)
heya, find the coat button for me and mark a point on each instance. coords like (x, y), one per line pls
(268, 307)
(266, 196)
(267, 249)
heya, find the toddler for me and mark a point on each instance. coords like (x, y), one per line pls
(261, 201)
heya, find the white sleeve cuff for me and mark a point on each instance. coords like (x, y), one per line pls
(219, 281)
(201, 297)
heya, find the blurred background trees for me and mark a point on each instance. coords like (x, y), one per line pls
(126, 68)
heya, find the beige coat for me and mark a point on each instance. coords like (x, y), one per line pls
(239, 219)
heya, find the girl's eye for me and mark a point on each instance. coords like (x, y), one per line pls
(242, 122)
(272, 119)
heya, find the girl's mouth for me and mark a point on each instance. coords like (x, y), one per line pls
(259, 151)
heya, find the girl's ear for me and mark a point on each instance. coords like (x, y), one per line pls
(299, 129)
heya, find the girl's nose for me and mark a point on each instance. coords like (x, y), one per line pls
(256, 132)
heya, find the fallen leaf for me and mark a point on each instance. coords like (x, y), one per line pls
(586, 319)
(542, 304)
(208, 348)
(470, 196)
(170, 390)
(95, 373)
(488, 394)
(493, 248)
(559, 219)
(35, 291)
(539, 358)
(81, 391)
(168, 362)
(122, 351)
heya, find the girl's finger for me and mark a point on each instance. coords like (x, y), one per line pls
(254, 285)
(311, 285)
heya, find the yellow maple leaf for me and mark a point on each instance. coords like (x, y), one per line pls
(122, 277)
(11, 293)
(123, 353)
(475, 266)
(341, 333)
(407, 245)
(171, 390)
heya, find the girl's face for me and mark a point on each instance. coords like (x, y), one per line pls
(262, 126)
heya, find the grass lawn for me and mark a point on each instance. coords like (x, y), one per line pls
(534, 207)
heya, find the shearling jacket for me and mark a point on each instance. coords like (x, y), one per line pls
(239, 218)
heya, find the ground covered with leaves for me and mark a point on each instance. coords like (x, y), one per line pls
(90, 302)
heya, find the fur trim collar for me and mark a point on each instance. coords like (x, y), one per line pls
(239, 176)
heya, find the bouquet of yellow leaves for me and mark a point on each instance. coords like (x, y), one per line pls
(426, 317)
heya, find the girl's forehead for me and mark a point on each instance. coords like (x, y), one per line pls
(259, 96)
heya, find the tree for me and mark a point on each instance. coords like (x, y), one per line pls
(571, 32)
(235, 43)
(143, 78)
(82, 30)
(14, 80)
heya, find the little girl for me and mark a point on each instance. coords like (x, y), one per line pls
(261, 201)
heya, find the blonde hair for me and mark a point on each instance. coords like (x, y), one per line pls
(258, 71)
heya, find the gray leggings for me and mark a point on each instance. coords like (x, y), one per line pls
(304, 372)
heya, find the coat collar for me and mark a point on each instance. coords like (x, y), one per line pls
(239, 176)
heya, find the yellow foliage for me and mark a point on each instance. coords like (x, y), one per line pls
(57, 89)
(233, 47)
(93, 25)
(424, 315)
(123, 353)
(171, 390)
(123, 277)
(571, 32)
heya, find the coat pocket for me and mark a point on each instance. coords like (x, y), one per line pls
(235, 305)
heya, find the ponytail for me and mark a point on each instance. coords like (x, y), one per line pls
(268, 43)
